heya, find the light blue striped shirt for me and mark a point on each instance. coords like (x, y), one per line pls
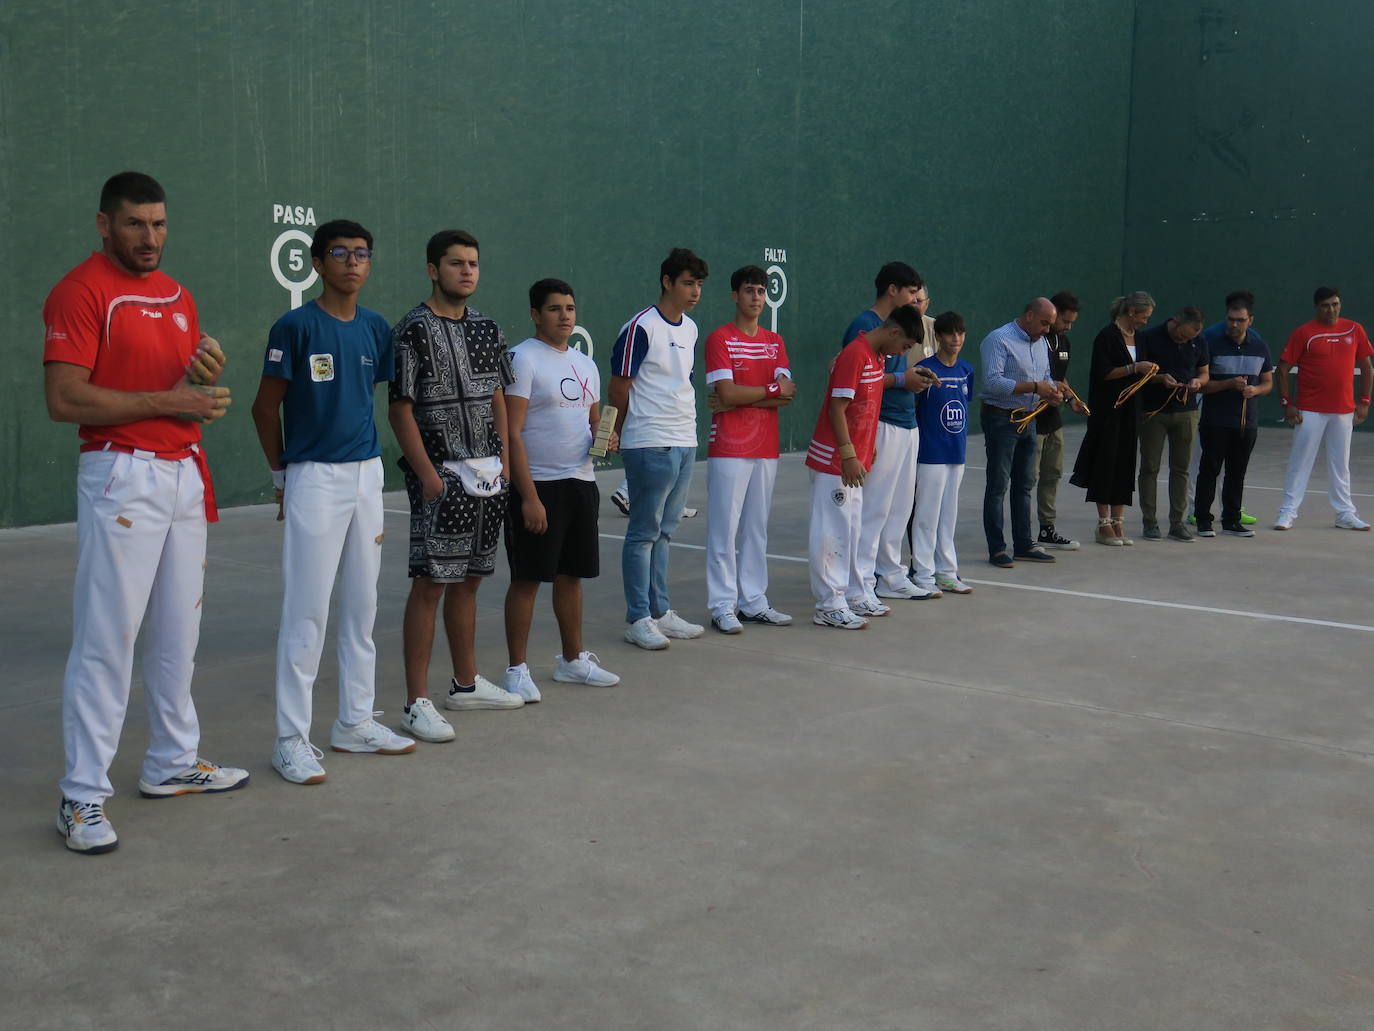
(1010, 357)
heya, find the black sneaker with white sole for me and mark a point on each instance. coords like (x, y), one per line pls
(1052, 538)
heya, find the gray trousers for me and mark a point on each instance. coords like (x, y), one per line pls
(1180, 430)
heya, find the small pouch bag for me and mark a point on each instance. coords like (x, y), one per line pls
(480, 477)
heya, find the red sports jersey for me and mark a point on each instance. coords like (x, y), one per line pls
(133, 333)
(857, 374)
(751, 362)
(1325, 357)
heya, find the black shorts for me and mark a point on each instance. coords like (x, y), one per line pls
(570, 546)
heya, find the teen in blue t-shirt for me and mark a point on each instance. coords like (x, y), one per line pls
(314, 419)
(942, 416)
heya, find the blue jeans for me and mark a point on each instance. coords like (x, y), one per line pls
(658, 478)
(1011, 459)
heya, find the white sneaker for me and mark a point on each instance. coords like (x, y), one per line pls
(427, 723)
(297, 760)
(1350, 521)
(841, 619)
(204, 777)
(690, 513)
(368, 738)
(927, 593)
(905, 592)
(670, 624)
(644, 633)
(768, 617)
(869, 608)
(583, 670)
(85, 828)
(727, 623)
(952, 584)
(519, 681)
(481, 695)
(1284, 521)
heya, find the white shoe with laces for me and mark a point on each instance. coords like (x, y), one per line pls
(670, 624)
(840, 619)
(583, 670)
(368, 738)
(952, 584)
(868, 608)
(768, 617)
(519, 681)
(903, 592)
(427, 723)
(1350, 521)
(727, 623)
(481, 694)
(298, 761)
(204, 777)
(644, 633)
(85, 828)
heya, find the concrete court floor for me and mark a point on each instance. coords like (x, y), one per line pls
(1102, 794)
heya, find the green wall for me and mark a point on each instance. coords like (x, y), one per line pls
(984, 143)
(1250, 143)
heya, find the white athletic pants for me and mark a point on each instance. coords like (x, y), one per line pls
(932, 533)
(836, 521)
(140, 561)
(1317, 428)
(333, 524)
(888, 497)
(739, 495)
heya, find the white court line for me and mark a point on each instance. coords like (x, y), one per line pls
(1272, 617)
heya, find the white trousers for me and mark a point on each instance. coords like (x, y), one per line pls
(140, 563)
(932, 532)
(889, 493)
(333, 525)
(836, 522)
(739, 495)
(1315, 429)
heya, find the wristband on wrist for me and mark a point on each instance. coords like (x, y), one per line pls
(899, 379)
(1364, 400)
(847, 451)
(279, 479)
(1284, 402)
(772, 390)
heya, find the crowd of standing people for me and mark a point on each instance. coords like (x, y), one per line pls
(497, 441)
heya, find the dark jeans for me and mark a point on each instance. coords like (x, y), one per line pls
(1223, 447)
(1011, 461)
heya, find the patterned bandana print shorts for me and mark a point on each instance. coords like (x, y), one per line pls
(455, 535)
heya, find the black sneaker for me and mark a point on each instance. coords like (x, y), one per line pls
(1205, 530)
(1052, 538)
(1035, 554)
(1237, 530)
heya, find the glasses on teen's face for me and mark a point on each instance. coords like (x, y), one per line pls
(342, 254)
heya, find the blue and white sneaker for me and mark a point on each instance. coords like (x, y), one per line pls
(85, 828)
(204, 777)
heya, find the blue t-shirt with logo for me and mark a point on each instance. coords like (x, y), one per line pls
(332, 368)
(942, 413)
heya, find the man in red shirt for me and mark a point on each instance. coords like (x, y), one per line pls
(122, 358)
(1327, 352)
(839, 457)
(749, 379)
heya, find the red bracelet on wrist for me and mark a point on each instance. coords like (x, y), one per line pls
(773, 389)
(1364, 400)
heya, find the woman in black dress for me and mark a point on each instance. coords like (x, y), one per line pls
(1106, 458)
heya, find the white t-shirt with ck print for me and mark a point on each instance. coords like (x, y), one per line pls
(560, 386)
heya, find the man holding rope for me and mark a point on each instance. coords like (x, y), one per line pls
(1016, 387)
(1168, 410)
